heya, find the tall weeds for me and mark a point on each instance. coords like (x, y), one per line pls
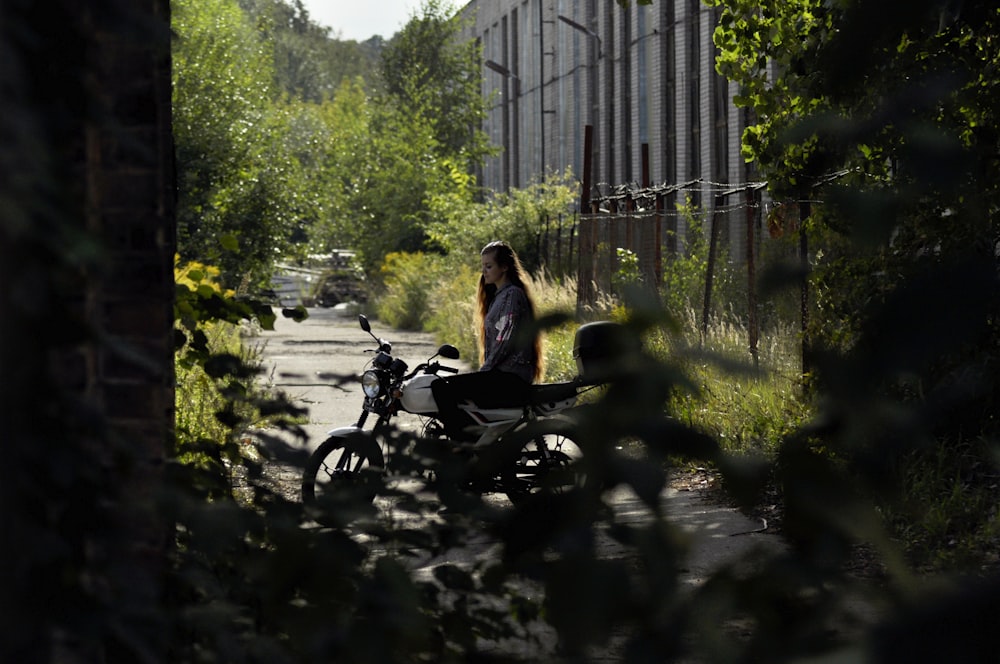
(749, 404)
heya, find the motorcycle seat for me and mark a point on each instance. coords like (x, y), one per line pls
(551, 393)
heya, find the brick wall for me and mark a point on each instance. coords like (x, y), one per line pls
(86, 296)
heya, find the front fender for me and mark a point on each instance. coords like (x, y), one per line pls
(344, 432)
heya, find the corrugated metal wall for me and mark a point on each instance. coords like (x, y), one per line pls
(663, 120)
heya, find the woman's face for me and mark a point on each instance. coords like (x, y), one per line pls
(493, 272)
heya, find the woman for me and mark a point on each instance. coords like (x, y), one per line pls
(510, 359)
(505, 305)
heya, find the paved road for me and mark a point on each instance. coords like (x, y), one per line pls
(318, 362)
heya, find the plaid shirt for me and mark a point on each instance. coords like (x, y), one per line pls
(508, 310)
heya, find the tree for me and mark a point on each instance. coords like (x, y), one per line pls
(239, 179)
(379, 166)
(435, 77)
(899, 138)
(389, 154)
(887, 114)
(310, 61)
(518, 216)
(920, 92)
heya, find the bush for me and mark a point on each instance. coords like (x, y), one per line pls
(199, 397)
(948, 513)
(452, 313)
(215, 371)
(684, 274)
(407, 279)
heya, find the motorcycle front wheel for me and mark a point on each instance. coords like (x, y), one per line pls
(342, 467)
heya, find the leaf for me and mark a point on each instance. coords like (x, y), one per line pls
(454, 578)
(298, 314)
(229, 242)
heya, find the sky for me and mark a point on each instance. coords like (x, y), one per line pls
(362, 19)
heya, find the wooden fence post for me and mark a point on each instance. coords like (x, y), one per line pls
(585, 278)
(805, 210)
(710, 271)
(752, 322)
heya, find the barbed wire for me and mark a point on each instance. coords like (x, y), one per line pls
(632, 192)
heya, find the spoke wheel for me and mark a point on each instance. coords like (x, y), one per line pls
(548, 461)
(342, 467)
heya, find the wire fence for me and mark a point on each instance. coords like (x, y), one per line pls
(652, 224)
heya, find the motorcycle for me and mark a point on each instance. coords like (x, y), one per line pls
(529, 441)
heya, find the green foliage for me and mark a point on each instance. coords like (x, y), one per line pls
(239, 180)
(897, 143)
(751, 36)
(452, 308)
(947, 512)
(462, 226)
(434, 77)
(289, 144)
(388, 193)
(216, 393)
(387, 155)
(685, 273)
(198, 398)
(310, 62)
(748, 407)
(383, 167)
(408, 280)
(201, 300)
(255, 579)
(628, 274)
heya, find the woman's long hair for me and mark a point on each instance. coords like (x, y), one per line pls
(505, 256)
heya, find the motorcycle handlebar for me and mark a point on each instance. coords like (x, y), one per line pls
(429, 368)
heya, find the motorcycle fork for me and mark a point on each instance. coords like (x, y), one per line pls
(343, 463)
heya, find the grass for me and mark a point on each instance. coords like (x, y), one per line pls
(949, 512)
(748, 404)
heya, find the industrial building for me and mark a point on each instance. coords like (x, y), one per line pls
(643, 77)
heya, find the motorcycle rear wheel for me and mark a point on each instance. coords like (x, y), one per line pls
(547, 462)
(342, 465)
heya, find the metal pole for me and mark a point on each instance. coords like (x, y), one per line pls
(596, 54)
(541, 82)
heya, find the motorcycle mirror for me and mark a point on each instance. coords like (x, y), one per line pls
(448, 352)
(365, 325)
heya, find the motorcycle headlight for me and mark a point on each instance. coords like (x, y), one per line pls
(371, 384)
